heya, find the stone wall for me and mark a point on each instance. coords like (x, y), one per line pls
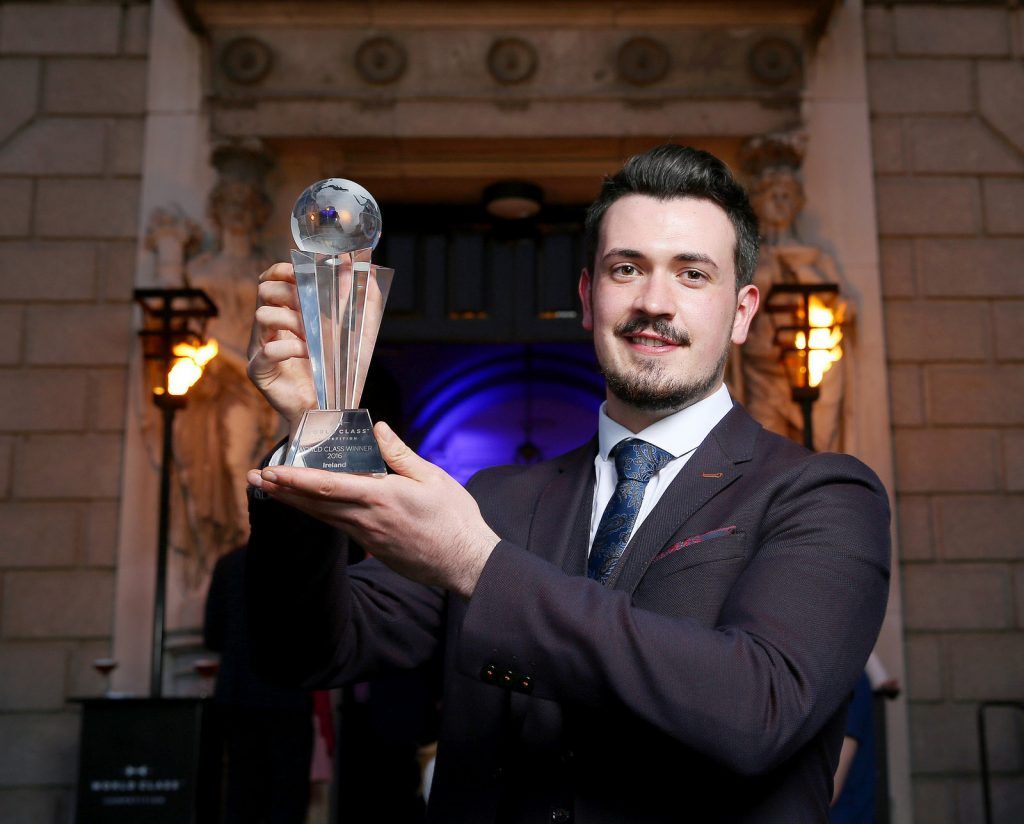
(946, 87)
(72, 98)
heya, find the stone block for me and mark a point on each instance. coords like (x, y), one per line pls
(31, 599)
(956, 596)
(55, 146)
(935, 30)
(1003, 199)
(6, 465)
(980, 527)
(934, 801)
(1001, 98)
(34, 676)
(987, 667)
(19, 93)
(68, 466)
(1013, 460)
(896, 261)
(887, 145)
(914, 520)
(42, 399)
(49, 272)
(972, 267)
(947, 460)
(906, 397)
(15, 206)
(117, 271)
(124, 155)
(86, 334)
(101, 527)
(928, 206)
(878, 35)
(12, 323)
(95, 86)
(47, 749)
(943, 738)
(101, 209)
(48, 28)
(901, 86)
(1007, 799)
(1018, 593)
(38, 535)
(959, 144)
(975, 394)
(107, 400)
(937, 330)
(82, 676)
(135, 41)
(924, 667)
(29, 805)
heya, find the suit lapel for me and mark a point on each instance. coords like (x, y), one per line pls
(714, 466)
(560, 530)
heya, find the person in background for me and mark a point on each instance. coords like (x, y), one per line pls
(268, 729)
(853, 799)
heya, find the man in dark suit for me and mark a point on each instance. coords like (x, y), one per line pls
(662, 625)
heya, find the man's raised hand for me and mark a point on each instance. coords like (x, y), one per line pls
(278, 358)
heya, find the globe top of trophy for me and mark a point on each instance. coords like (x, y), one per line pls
(335, 217)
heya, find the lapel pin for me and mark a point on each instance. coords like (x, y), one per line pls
(711, 474)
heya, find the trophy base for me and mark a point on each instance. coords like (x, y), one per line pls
(337, 440)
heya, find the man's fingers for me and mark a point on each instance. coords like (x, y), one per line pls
(277, 293)
(279, 271)
(318, 484)
(278, 351)
(399, 456)
(273, 319)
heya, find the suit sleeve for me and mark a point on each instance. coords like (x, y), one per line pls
(791, 638)
(316, 622)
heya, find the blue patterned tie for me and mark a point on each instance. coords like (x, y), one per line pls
(636, 462)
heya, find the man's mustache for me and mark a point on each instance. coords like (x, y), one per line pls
(659, 326)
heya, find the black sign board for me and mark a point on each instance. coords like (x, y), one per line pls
(148, 759)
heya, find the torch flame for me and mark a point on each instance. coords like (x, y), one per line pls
(188, 368)
(824, 340)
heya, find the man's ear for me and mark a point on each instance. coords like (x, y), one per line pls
(747, 301)
(585, 288)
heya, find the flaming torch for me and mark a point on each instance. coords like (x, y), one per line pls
(175, 352)
(809, 338)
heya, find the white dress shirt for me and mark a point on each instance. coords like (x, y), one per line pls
(679, 434)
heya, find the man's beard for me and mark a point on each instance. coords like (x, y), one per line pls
(646, 387)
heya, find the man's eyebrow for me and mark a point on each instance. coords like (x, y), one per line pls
(631, 254)
(682, 257)
(695, 257)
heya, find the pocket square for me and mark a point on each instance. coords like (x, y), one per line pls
(695, 539)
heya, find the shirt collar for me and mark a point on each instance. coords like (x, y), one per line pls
(679, 433)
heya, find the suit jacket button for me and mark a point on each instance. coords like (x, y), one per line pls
(507, 678)
(489, 673)
(526, 684)
(560, 816)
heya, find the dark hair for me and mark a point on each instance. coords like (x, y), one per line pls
(671, 171)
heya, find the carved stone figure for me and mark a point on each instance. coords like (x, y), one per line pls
(777, 195)
(227, 426)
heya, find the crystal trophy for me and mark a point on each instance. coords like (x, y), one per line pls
(336, 225)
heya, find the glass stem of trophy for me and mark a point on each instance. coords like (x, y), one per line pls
(342, 294)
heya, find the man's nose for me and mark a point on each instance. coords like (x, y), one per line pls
(657, 296)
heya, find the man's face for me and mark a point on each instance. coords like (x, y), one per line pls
(662, 304)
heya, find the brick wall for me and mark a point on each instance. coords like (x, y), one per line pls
(72, 97)
(946, 86)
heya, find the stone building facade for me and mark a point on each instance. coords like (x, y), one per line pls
(938, 88)
(946, 85)
(73, 103)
